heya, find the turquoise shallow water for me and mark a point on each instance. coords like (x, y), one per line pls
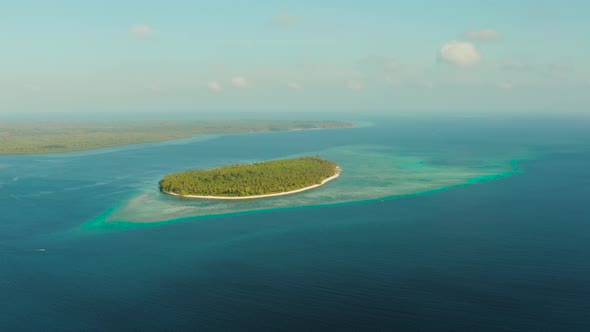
(369, 173)
(438, 224)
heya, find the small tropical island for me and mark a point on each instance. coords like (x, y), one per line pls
(249, 181)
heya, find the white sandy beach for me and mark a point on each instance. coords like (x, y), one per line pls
(335, 176)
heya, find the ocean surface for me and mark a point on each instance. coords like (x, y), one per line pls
(436, 224)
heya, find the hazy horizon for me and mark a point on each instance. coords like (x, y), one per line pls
(285, 115)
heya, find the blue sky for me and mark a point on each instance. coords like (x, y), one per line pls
(389, 56)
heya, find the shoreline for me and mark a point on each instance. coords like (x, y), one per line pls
(333, 177)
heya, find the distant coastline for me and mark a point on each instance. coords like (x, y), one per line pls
(27, 138)
(333, 177)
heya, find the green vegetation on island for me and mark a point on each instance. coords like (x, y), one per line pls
(262, 178)
(67, 136)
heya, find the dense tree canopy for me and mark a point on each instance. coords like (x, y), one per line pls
(260, 178)
(64, 136)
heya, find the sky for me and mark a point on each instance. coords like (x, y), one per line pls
(287, 56)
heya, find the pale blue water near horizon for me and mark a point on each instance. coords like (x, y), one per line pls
(494, 238)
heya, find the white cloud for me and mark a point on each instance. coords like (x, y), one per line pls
(214, 86)
(294, 85)
(460, 53)
(141, 30)
(505, 85)
(239, 82)
(285, 19)
(354, 85)
(485, 34)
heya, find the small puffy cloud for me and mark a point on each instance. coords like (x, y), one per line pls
(239, 82)
(485, 34)
(505, 85)
(460, 54)
(354, 85)
(141, 30)
(214, 86)
(285, 19)
(294, 85)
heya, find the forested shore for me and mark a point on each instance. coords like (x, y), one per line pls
(33, 137)
(243, 180)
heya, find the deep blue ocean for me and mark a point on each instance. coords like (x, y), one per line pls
(508, 254)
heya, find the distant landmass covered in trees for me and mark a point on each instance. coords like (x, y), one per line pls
(262, 178)
(30, 137)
